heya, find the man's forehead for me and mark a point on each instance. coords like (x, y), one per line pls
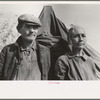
(30, 25)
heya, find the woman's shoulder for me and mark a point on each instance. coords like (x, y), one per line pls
(63, 57)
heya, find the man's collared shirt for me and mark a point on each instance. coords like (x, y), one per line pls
(29, 68)
(75, 68)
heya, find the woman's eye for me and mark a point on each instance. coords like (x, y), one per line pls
(75, 36)
(83, 35)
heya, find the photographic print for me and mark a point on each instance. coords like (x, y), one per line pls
(49, 49)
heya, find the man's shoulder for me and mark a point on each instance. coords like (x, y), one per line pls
(9, 47)
(40, 46)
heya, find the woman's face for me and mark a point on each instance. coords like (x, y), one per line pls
(78, 39)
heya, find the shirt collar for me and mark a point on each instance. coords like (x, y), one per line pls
(32, 46)
(84, 56)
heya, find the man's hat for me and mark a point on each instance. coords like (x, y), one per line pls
(30, 20)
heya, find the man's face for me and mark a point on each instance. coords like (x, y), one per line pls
(29, 32)
(78, 38)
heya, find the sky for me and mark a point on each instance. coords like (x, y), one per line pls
(86, 15)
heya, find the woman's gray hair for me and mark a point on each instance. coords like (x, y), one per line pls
(75, 28)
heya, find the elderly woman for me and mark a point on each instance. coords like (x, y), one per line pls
(76, 65)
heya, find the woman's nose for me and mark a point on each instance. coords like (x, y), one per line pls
(80, 37)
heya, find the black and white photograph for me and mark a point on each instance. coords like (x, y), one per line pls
(45, 44)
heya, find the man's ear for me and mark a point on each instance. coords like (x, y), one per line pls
(18, 29)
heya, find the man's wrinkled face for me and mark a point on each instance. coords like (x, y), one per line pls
(78, 38)
(29, 32)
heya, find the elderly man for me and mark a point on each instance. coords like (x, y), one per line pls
(76, 65)
(26, 59)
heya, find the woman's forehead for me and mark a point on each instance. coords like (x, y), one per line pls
(78, 31)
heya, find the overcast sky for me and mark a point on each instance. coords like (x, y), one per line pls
(86, 15)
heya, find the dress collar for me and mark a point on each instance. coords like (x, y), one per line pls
(83, 55)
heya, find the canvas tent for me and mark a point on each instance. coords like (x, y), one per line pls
(53, 28)
(53, 34)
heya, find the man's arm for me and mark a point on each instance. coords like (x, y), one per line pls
(2, 60)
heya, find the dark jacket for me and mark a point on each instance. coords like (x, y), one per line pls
(10, 59)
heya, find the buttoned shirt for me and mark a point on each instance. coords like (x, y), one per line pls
(29, 68)
(75, 68)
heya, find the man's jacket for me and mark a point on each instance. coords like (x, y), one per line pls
(10, 59)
